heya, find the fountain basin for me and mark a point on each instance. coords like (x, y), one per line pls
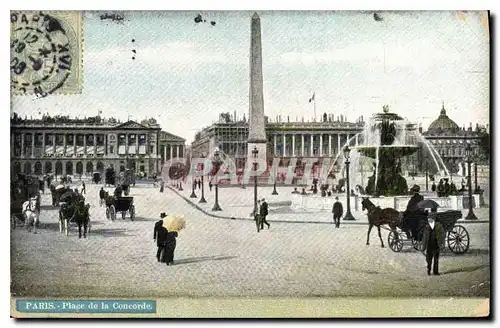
(394, 151)
(311, 203)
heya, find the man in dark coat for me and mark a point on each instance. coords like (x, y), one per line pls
(263, 213)
(160, 238)
(337, 211)
(446, 188)
(83, 188)
(411, 209)
(102, 193)
(433, 242)
(440, 188)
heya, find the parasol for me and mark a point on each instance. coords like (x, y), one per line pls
(60, 187)
(177, 223)
(427, 203)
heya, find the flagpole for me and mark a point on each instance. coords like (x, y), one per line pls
(314, 106)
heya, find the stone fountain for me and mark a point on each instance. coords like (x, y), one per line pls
(387, 139)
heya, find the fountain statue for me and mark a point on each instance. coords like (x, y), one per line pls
(387, 139)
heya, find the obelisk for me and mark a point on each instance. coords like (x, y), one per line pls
(256, 124)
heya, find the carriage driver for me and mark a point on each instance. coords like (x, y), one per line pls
(411, 207)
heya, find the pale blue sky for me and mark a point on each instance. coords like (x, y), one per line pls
(185, 73)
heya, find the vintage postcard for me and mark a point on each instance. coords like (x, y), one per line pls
(250, 164)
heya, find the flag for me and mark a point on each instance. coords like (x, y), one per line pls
(312, 98)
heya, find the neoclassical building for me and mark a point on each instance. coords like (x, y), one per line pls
(326, 137)
(76, 146)
(171, 146)
(286, 139)
(450, 141)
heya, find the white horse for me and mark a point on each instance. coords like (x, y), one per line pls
(30, 213)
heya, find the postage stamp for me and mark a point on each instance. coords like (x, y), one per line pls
(46, 53)
(290, 164)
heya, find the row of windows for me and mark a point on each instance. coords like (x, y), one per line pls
(455, 151)
(434, 141)
(58, 139)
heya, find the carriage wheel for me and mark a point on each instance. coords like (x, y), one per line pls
(395, 241)
(112, 212)
(458, 240)
(132, 212)
(107, 213)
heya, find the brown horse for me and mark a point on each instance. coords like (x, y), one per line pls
(378, 217)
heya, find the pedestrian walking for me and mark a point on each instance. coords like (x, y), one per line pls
(433, 242)
(83, 188)
(170, 244)
(263, 214)
(102, 193)
(160, 236)
(162, 186)
(210, 185)
(337, 211)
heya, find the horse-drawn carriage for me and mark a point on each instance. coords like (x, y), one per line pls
(116, 204)
(412, 232)
(57, 192)
(457, 236)
(74, 210)
(21, 190)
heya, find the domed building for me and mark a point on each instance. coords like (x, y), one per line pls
(443, 123)
(449, 141)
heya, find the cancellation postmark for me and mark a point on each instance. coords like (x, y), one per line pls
(46, 53)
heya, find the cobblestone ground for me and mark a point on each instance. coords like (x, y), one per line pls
(217, 257)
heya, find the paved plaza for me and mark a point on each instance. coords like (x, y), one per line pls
(222, 257)
(237, 202)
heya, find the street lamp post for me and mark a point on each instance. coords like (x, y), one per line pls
(193, 195)
(426, 177)
(468, 153)
(274, 186)
(475, 178)
(216, 161)
(348, 216)
(255, 153)
(202, 200)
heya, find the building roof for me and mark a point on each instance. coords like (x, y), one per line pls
(443, 123)
(171, 137)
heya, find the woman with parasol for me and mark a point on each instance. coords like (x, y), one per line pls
(174, 225)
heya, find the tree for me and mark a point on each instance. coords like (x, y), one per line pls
(485, 145)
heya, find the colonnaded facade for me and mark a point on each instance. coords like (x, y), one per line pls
(326, 137)
(285, 139)
(64, 146)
